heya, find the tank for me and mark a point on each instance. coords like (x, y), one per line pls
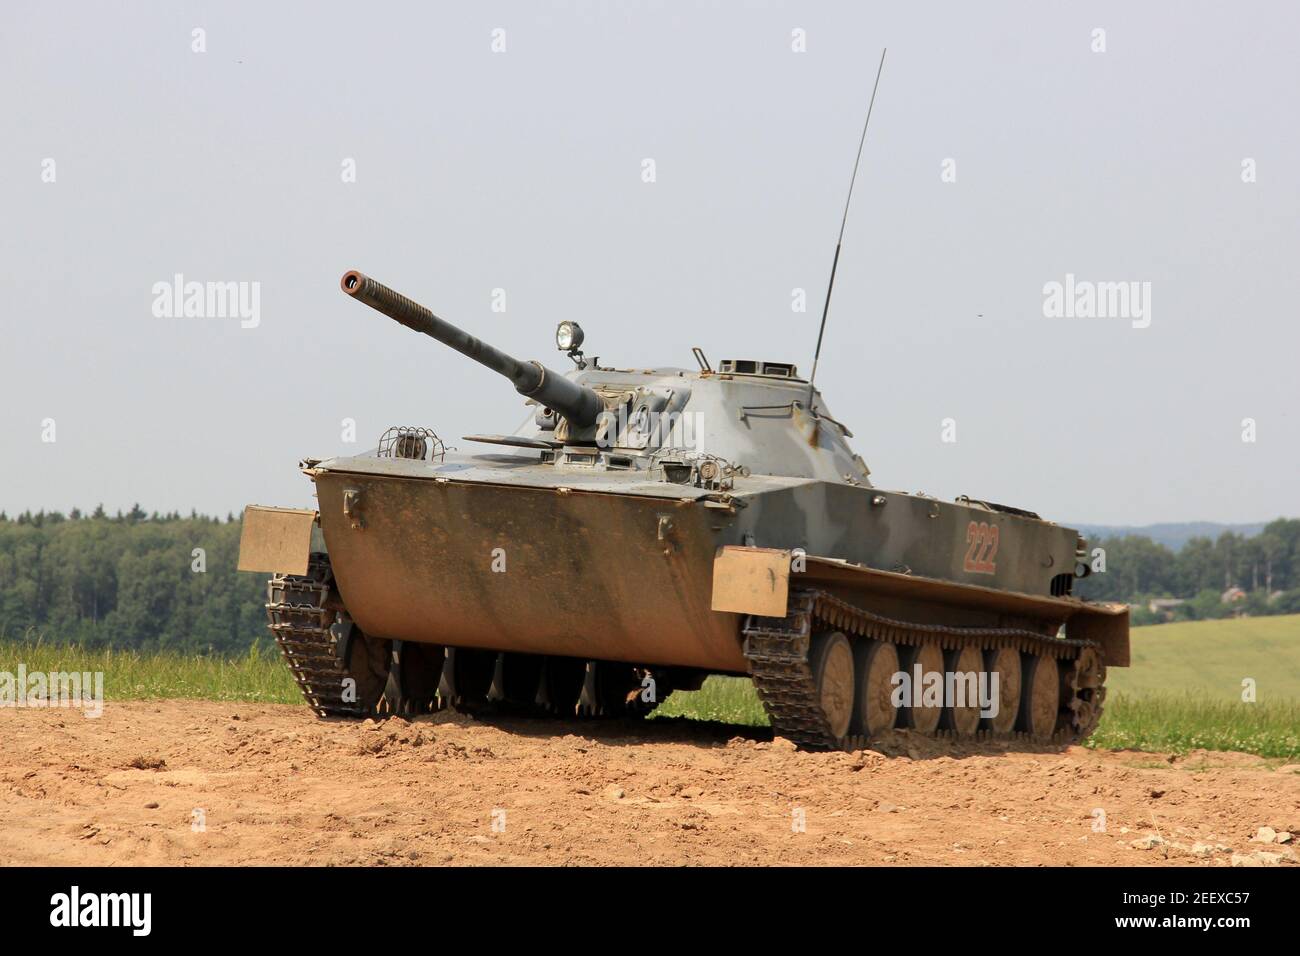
(644, 528)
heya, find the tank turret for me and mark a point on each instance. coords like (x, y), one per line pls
(576, 403)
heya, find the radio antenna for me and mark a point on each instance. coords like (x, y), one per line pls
(826, 306)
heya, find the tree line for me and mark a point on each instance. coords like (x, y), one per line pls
(148, 581)
(1266, 566)
(168, 582)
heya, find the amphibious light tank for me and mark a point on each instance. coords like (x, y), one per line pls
(645, 528)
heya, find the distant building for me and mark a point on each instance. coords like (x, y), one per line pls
(1164, 605)
(1232, 595)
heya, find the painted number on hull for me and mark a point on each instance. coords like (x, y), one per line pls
(982, 548)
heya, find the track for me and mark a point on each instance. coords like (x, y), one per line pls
(339, 673)
(779, 652)
(343, 672)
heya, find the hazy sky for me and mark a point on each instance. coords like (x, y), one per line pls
(522, 170)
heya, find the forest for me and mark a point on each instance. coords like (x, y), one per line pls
(168, 582)
(138, 580)
(1266, 566)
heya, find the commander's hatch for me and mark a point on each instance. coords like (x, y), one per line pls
(637, 418)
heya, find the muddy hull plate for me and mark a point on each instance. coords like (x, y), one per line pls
(532, 570)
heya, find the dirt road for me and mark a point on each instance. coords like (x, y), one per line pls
(202, 783)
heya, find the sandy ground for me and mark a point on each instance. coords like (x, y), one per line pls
(275, 785)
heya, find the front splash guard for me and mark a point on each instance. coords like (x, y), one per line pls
(558, 571)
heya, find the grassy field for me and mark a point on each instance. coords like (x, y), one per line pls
(1183, 691)
(1212, 658)
(259, 676)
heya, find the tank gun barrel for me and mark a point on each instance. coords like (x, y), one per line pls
(577, 403)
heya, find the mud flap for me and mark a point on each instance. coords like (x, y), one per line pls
(1107, 624)
(276, 540)
(751, 581)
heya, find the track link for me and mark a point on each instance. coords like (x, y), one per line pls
(314, 637)
(778, 653)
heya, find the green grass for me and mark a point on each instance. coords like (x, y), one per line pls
(729, 700)
(1176, 723)
(258, 676)
(1182, 693)
(1213, 657)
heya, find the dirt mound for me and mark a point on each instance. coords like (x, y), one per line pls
(195, 782)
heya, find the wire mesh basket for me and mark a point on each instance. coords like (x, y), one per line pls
(413, 442)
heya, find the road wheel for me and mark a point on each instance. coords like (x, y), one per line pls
(1005, 663)
(875, 664)
(467, 677)
(831, 659)
(1085, 678)
(414, 678)
(367, 664)
(962, 716)
(607, 687)
(519, 680)
(1040, 702)
(923, 717)
(562, 680)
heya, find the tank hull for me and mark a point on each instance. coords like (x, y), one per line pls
(608, 571)
(533, 570)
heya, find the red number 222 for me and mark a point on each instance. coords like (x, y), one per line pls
(982, 539)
